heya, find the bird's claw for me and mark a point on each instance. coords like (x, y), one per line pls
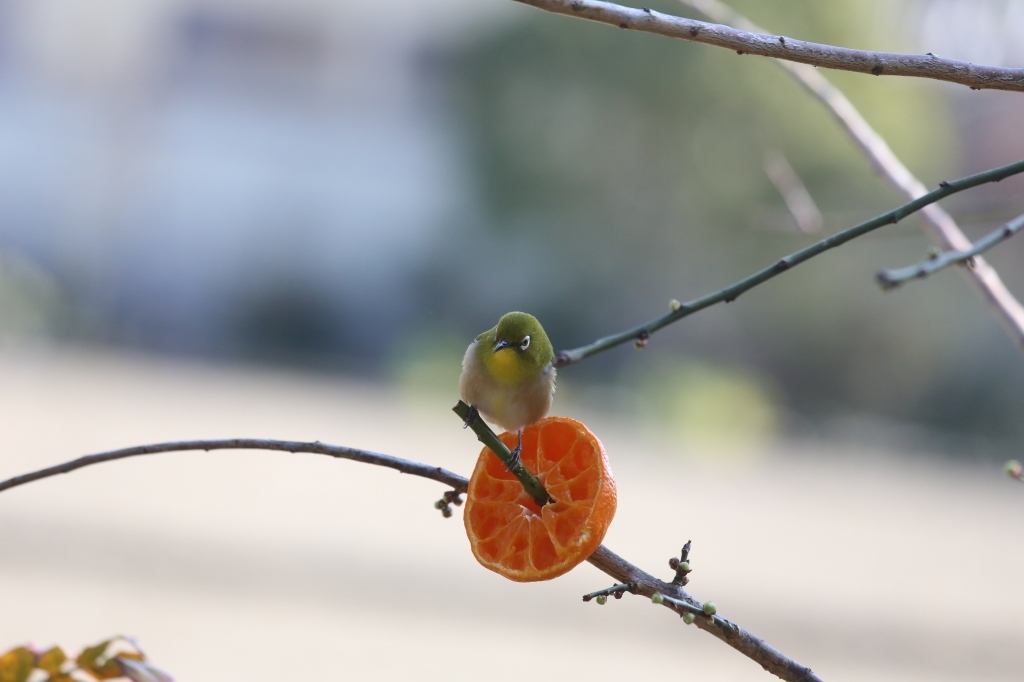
(514, 458)
(471, 416)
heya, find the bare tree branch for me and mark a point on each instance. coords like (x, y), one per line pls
(939, 224)
(404, 466)
(603, 558)
(731, 293)
(889, 279)
(793, 191)
(975, 76)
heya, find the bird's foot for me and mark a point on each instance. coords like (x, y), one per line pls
(513, 461)
(471, 416)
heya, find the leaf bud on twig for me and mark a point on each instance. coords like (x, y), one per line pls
(657, 598)
(710, 608)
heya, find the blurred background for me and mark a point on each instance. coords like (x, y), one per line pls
(267, 201)
(320, 184)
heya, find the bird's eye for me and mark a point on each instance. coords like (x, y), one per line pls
(525, 343)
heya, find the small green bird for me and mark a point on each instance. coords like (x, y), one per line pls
(508, 375)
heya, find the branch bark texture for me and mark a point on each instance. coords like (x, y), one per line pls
(975, 76)
(937, 222)
(404, 466)
(771, 659)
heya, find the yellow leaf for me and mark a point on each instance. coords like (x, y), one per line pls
(52, 660)
(16, 665)
(87, 659)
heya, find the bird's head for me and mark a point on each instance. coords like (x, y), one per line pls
(519, 345)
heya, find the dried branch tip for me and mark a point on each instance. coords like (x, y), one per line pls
(681, 565)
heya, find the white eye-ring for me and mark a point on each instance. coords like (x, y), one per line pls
(525, 343)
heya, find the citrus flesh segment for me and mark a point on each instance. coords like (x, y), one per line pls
(510, 534)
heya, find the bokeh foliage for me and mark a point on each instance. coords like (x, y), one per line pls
(114, 659)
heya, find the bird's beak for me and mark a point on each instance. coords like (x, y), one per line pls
(500, 344)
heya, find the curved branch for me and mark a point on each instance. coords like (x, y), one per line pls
(731, 293)
(404, 466)
(889, 279)
(975, 76)
(603, 558)
(939, 224)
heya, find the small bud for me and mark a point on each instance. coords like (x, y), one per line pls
(674, 305)
(710, 608)
(446, 512)
(1014, 469)
(673, 563)
(439, 504)
(640, 344)
(934, 252)
(684, 567)
(602, 600)
(657, 598)
(688, 618)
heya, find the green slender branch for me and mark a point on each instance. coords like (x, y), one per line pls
(975, 76)
(484, 434)
(706, 610)
(731, 293)
(890, 279)
(616, 591)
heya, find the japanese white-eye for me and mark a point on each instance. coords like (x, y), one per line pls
(508, 374)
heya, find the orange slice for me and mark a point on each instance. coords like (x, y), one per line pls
(510, 534)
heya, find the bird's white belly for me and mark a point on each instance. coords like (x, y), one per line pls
(512, 407)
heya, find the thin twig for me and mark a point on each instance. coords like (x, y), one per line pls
(616, 590)
(484, 434)
(889, 279)
(975, 76)
(404, 466)
(939, 224)
(604, 559)
(731, 293)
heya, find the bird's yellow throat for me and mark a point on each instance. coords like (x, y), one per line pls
(507, 367)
